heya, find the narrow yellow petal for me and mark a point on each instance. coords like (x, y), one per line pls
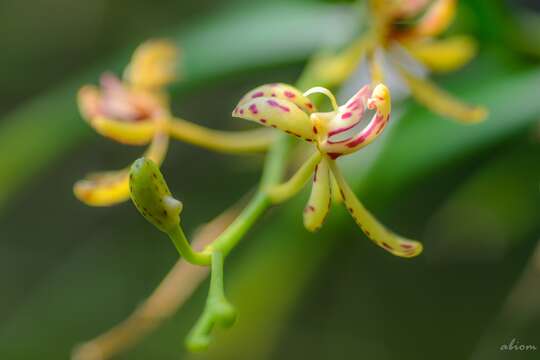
(320, 200)
(336, 194)
(103, 188)
(112, 187)
(332, 69)
(441, 102)
(131, 133)
(373, 229)
(444, 55)
(153, 64)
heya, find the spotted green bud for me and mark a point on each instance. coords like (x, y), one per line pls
(152, 197)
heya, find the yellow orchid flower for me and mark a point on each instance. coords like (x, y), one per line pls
(400, 49)
(334, 134)
(136, 111)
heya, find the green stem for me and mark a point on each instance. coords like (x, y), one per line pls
(272, 174)
(218, 310)
(186, 251)
(280, 193)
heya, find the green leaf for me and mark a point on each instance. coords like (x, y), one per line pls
(501, 202)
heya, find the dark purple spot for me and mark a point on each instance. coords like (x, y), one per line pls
(358, 140)
(253, 109)
(289, 94)
(257, 94)
(274, 103)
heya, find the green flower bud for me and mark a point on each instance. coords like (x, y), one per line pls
(152, 197)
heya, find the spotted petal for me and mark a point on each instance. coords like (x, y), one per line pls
(277, 113)
(280, 91)
(112, 187)
(373, 229)
(379, 100)
(320, 200)
(344, 119)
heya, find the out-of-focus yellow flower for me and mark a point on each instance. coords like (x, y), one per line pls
(122, 113)
(400, 49)
(334, 134)
(134, 111)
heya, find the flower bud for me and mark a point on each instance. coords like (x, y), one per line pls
(152, 197)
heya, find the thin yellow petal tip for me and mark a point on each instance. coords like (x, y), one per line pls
(153, 64)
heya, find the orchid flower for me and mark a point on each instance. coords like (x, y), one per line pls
(136, 111)
(400, 49)
(334, 134)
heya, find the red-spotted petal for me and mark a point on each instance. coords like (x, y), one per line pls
(280, 91)
(350, 114)
(277, 113)
(320, 200)
(379, 101)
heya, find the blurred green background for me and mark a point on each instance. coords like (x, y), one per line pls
(470, 194)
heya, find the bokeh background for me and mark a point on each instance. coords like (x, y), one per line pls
(471, 194)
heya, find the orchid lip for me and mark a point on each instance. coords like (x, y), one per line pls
(343, 129)
(350, 128)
